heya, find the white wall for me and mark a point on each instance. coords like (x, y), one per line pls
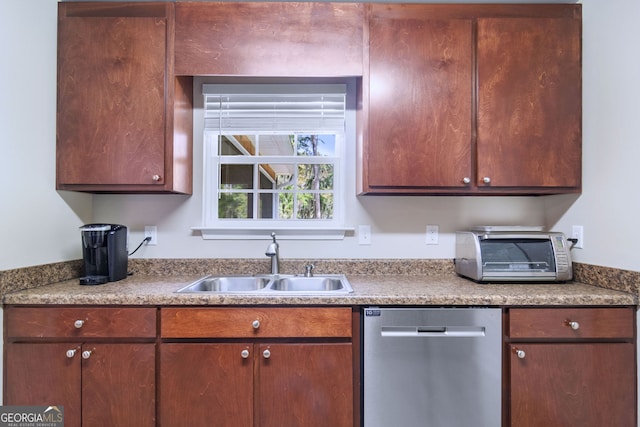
(609, 206)
(39, 225)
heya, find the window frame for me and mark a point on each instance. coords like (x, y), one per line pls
(227, 228)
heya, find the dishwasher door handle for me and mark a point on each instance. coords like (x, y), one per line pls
(433, 331)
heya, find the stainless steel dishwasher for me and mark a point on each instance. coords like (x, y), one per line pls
(432, 367)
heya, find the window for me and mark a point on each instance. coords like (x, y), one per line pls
(274, 157)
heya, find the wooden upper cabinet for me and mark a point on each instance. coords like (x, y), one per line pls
(529, 102)
(471, 99)
(124, 122)
(420, 78)
(269, 39)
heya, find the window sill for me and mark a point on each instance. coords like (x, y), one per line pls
(209, 233)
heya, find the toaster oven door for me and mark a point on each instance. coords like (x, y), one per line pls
(530, 258)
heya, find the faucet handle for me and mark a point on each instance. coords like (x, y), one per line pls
(273, 236)
(308, 270)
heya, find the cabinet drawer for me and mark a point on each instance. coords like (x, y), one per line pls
(255, 322)
(80, 322)
(570, 323)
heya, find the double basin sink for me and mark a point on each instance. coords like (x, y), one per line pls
(271, 284)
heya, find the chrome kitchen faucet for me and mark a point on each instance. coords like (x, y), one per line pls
(273, 251)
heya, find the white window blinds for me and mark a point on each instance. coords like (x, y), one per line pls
(232, 109)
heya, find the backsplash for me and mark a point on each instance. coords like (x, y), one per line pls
(607, 277)
(32, 277)
(165, 267)
(39, 275)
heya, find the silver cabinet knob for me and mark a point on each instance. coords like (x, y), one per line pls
(156, 178)
(71, 353)
(520, 353)
(466, 180)
(486, 180)
(255, 324)
(86, 354)
(266, 354)
(573, 325)
(78, 323)
(244, 353)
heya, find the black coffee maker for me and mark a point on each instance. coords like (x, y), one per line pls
(104, 251)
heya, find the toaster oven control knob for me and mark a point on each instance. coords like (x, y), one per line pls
(573, 325)
(78, 323)
(486, 180)
(466, 180)
(520, 353)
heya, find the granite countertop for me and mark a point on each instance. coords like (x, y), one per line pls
(392, 289)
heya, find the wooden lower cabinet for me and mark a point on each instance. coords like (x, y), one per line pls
(292, 366)
(99, 363)
(585, 384)
(238, 384)
(304, 385)
(571, 367)
(205, 384)
(97, 384)
(259, 377)
(42, 374)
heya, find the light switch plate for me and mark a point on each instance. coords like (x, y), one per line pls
(364, 234)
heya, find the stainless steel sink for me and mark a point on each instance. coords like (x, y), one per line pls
(308, 284)
(227, 284)
(273, 284)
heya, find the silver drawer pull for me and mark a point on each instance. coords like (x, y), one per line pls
(71, 353)
(266, 354)
(78, 323)
(244, 353)
(255, 324)
(86, 354)
(520, 353)
(573, 325)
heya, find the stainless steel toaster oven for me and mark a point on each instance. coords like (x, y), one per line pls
(513, 256)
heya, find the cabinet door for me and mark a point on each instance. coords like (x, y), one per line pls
(304, 385)
(118, 385)
(582, 384)
(420, 98)
(43, 374)
(113, 98)
(206, 384)
(529, 103)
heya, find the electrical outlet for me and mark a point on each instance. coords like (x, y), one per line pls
(577, 232)
(432, 235)
(151, 231)
(364, 234)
